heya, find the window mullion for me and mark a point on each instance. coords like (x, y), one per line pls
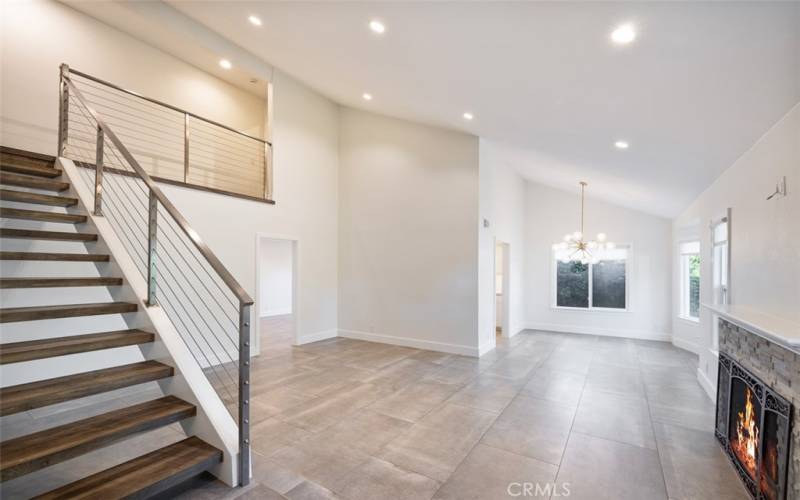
(591, 285)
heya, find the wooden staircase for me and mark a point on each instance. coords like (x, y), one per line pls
(24, 176)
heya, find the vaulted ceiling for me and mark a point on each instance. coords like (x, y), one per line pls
(698, 86)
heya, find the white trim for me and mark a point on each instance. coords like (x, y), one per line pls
(706, 384)
(429, 345)
(487, 347)
(295, 281)
(315, 337)
(276, 312)
(629, 271)
(603, 332)
(686, 345)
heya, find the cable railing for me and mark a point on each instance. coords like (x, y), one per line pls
(206, 305)
(176, 146)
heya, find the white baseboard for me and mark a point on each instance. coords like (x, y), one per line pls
(706, 384)
(604, 332)
(408, 342)
(315, 337)
(276, 312)
(487, 347)
(686, 345)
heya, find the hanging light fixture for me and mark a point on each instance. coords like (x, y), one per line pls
(575, 248)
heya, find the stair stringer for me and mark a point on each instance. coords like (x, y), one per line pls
(213, 423)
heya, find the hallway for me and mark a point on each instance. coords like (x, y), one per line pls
(357, 420)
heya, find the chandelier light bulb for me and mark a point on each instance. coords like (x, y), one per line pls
(574, 248)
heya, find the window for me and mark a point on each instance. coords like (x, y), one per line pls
(602, 285)
(719, 260)
(690, 280)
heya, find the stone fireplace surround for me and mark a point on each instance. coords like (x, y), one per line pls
(779, 368)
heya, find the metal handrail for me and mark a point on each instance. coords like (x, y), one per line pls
(68, 88)
(170, 106)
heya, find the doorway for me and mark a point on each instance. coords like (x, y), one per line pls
(501, 288)
(276, 293)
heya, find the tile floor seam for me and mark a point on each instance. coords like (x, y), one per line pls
(655, 438)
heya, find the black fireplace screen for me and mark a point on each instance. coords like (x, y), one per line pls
(753, 426)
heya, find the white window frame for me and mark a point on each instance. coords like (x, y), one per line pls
(683, 312)
(628, 280)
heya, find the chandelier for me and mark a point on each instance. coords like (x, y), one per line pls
(575, 248)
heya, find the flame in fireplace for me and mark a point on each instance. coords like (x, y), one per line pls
(746, 443)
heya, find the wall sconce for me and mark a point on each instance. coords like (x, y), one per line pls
(780, 189)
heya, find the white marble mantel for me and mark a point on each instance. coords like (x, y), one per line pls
(779, 330)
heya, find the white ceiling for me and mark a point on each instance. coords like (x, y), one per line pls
(702, 82)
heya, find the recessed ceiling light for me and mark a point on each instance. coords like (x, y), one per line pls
(254, 20)
(377, 26)
(623, 34)
(468, 116)
(367, 97)
(621, 145)
(225, 63)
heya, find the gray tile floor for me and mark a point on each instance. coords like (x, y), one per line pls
(595, 417)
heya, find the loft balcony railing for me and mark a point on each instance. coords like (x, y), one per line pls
(207, 306)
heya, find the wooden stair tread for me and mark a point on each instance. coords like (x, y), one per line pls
(35, 234)
(14, 314)
(7, 153)
(38, 215)
(58, 282)
(24, 397)
(40, 199)
(51, 256)
(144, 476)
(15, 352)
(28, 168)
(35, 451)
(32, 182)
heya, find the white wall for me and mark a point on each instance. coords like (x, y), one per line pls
(508, 191)
(685, 333)
(408, 235)
(305, 174)
(765, 235)
(275, 277)
(550, 213)
(38, 35)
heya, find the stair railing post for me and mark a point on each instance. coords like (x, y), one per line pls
(98, 173)
(152, 227)
(244, 394)
(63, 109)
(185, 148)
(267, 171)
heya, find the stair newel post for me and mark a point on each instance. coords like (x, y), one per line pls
(63, 109)
(98, 173)
(244, 394)
(152, 228)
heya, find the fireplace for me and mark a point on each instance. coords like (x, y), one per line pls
(753, 425)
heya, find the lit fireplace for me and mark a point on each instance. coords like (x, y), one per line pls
(744, 432)
(753, 427)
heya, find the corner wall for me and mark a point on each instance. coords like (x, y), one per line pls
(550, 213)
(408, 233)
(38, 35)
(765, 235)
